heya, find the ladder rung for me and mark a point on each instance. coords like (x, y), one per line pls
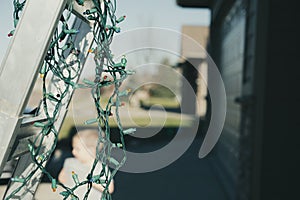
(22, 146)
(30, 120)
(78, 10)
(8, 169)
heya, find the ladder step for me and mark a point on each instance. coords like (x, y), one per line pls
(22, 146)
(26, 133)
(78, 10)
(30, 120)
(8, 169)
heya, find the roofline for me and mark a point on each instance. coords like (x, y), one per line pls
(194, 3)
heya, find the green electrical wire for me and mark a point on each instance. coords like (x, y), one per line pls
(105, 24)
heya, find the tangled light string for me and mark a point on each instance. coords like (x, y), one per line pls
(65, 70)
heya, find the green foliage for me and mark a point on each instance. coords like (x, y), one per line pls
(161, 91)
(165, 102)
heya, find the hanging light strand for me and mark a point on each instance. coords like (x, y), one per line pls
(65, 71)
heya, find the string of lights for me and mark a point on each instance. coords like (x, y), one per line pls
(65, 70)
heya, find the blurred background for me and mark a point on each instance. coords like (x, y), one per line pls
(253, 45)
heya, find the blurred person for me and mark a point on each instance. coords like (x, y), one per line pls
(84, 145)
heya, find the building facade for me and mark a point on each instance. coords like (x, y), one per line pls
(253, 43)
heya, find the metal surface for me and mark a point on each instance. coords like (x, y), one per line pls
(18, 72)
(25, 167)
(21, 63)
(78, 10)
(82, 41)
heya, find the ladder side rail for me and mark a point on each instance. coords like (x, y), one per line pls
(83, 41)
(20, 66)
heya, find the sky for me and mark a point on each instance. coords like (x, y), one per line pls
(160, 13)
(164, 14)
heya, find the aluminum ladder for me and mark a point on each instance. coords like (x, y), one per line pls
(18, 74)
